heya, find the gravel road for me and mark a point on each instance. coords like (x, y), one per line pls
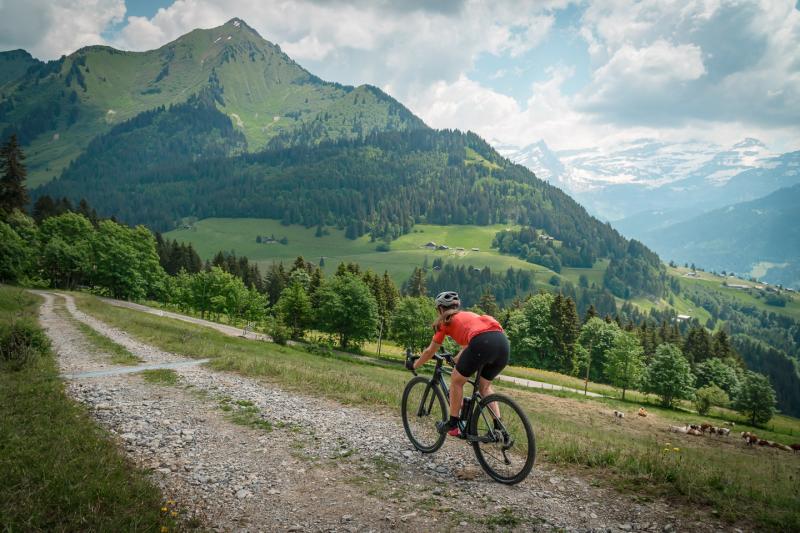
(305, 463)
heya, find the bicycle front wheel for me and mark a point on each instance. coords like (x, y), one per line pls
(423, 405)
(504, 445)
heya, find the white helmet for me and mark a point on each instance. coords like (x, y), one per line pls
(448, 299)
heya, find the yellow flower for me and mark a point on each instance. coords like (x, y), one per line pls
(676, 449)
(668, 444)
(164, 529)
(666, 449)
(163, 509)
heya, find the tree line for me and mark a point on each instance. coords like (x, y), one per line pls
(69, 250)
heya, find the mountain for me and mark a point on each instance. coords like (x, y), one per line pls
(647, 185)
(13, 64)
(761, 237)
(58, 107)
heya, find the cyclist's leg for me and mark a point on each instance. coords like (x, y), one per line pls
(457, 381)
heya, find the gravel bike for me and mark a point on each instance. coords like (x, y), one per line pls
(504, 445)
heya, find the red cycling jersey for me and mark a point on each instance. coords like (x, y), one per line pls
(464, 325)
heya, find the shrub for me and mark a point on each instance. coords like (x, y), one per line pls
(708, 396)
(278, 331)
(21, 343)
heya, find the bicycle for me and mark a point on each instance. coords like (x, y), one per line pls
(506, 441)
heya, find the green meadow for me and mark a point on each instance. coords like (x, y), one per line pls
(211, 235)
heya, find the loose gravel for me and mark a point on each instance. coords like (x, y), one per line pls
(306, 463)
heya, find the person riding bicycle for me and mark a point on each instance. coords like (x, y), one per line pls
(483, 344)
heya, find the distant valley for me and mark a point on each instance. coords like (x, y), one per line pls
(649, 190)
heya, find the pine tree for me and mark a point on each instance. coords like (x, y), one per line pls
(489, 304)
(590, 313)
(721, 345)
(416, 284)
(13, 194)
(565, 326)
(697, 345)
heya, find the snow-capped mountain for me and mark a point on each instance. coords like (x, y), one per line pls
(642, 175)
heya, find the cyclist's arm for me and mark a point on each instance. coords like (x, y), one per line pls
(426, 355)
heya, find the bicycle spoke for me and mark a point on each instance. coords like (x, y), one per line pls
(505, 446)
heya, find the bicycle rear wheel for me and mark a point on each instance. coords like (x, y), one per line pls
(505, 446)
(423, 405)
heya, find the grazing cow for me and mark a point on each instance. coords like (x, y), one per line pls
(750, 438)
(762, 442)
(723, 432)
(695, 432)
(795, 447)
(784, 447)
(678, 429)
(619, 414)
(694, 426)
(731, 424)
(704, 427)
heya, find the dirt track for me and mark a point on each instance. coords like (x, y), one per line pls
(322, 466)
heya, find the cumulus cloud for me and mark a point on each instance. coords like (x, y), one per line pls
(403, 46)
(50, 28)
(663, 64)
(710, 69)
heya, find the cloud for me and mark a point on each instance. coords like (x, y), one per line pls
(405, 46)
(50, 28)
(657, 65)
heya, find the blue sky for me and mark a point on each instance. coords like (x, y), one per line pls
(576, 74)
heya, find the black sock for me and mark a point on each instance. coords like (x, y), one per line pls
(497, 424)
(453, 421)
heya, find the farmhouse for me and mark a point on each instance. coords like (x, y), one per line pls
(476, 249)
(431, 245)
(683, 318)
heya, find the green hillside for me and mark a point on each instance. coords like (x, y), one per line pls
(59, 106)
(741, 238)
(13, 64)
(211, 235)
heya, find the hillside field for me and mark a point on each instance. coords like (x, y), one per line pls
(211, 235)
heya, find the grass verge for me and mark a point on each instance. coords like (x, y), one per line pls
(59, 470)
(117, 354)
(757, 486)
(160, 376)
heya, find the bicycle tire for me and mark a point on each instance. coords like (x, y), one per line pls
(529, 454)
(435, 439)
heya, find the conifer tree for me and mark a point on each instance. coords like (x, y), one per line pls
(13, 194)
(488, 304)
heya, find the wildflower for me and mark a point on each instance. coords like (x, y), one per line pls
(666, 449)
(174, 513)
(164, 529)
(163, 509)
(676, 449)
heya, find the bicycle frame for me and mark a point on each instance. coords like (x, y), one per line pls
(438, 380)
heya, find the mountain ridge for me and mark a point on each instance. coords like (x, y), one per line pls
(56, 108)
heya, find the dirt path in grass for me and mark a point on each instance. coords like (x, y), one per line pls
(322, 466)
(236, 332)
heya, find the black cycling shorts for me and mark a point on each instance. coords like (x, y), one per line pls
(489, 350)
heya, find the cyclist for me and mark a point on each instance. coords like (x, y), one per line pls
(483, 344)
